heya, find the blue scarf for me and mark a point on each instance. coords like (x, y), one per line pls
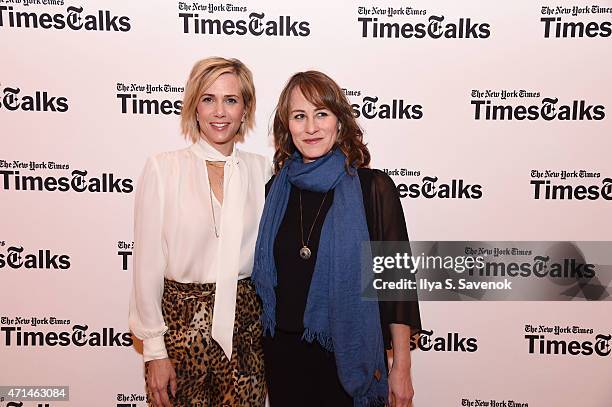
(335, 315)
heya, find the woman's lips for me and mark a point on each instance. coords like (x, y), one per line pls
(219, 126)
(312, 140)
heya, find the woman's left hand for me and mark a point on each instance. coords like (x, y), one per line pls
(400, 387)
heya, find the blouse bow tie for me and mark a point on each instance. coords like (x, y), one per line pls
(226, 262)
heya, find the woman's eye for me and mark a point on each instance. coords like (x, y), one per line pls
(207, 99)
(231, 101)
(322, 114)
(299, 116)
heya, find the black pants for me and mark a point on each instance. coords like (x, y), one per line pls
(301, 374)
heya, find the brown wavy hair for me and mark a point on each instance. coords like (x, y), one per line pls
(320, 90)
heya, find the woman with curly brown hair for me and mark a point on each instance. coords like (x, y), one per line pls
(328, 345)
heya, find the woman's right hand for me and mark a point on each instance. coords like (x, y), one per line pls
(160, 373)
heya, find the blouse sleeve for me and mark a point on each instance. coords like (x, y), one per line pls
(390, 225)
(145, 318)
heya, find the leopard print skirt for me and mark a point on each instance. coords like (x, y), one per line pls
(205, 377)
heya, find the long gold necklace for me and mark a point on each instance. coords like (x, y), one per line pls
(220, 182)
(305, 252)
(219, 175)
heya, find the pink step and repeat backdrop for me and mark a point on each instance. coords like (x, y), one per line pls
(492, 117)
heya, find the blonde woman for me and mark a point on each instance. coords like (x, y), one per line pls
(196, 217)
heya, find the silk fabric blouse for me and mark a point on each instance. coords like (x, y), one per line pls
(174, 232)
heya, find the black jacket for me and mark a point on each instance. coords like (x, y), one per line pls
(385, 220)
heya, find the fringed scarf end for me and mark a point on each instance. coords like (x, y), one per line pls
(268, 321)
(324, 339)
(370, 401)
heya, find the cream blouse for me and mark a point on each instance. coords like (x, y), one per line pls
(174, 235)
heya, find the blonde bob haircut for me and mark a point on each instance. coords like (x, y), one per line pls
(202, 76)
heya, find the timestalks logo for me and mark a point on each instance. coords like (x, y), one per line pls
(453, 342)
(73, 19)
(78, 182)
(257, 25)
(79, 336)
(549, 110)
(132, 104)
(429, 189)
(40, 101)
(557, 28)
(16, 258)
(435, 28)
(539, 268)
(541, 345)
(396, 109)
(545, 189)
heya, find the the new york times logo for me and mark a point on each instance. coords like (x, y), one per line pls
(559, 27)
(79, 336)
(430, 188)
(503, 94)
(73, 19)
(77, 181)
(436, 27)
(16, 257)
(565, 174)
(124, 252)
(257, 25)
(131, 103)
(548, 110)
(539, 341)
(130, 400)
(371, 107)
(547, 189)
(492, 403)
(39, 101)
(453, 342)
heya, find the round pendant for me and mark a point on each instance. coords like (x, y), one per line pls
(305, 253)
